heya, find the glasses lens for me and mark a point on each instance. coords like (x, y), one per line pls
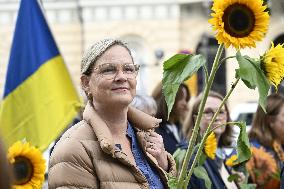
(109, 71)
(210, 114)
(130, 70)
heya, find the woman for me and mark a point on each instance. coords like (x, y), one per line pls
(114, 146)
(171, 129)
(267, 132)
(215, 168)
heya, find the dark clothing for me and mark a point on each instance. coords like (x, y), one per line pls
(170, 142)
(211, 167)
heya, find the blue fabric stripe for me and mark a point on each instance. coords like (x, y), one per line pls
(143, 165)
(33, 45)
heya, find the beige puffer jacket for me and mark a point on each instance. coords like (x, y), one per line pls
(86, 157)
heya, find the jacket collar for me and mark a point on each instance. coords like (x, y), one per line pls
(139, 120)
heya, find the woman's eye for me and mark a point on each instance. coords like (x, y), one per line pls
(108, 70)
(222, 112)
(208, 112)
(129, 69)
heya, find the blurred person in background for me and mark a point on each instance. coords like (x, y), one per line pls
(145, 103)
(5, 169)
(214, 148)
(267, 133)
(171, 130)
(114, 146)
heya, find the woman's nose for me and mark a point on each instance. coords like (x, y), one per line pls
(120, 76)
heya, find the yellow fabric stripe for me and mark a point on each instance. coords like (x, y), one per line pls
(41, 107)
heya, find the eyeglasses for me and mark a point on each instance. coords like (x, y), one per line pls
(208, 114)
(110, 70)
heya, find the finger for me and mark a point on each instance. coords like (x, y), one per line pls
(146, 135)
(150, 144)
(155, 145)
(155, 137)
(153, 152)
(154, 134)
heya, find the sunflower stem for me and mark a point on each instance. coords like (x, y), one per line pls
(224, 59)
(189, 152)
(208, 131)
(206, 74)
(222, 125)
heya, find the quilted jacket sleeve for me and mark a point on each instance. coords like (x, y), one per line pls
(71, 167)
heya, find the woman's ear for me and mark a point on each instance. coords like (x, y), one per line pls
(85, 82)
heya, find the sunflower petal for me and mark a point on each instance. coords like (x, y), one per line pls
(244, 36)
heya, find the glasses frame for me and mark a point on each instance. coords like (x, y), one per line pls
(112, 76)
(210, 114)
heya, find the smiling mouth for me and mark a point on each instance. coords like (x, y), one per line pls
(120, 89)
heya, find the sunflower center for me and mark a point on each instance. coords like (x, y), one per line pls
(23, 170)
(239, 20)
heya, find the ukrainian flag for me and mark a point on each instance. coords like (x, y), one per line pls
(39, 97)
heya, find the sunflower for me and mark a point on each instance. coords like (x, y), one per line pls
(272, 64)
(239, 23)
(211, 146)
(231, 161)
(261, 166)
(28, 165)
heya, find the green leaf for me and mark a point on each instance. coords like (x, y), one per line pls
(276, 176)
(247, 186)
(179, 155)
(177, 69)
(202, 159)
(176, 60)
(252, 76)
(233, 177)
(243, 145)
(200, 172)
(172, 182)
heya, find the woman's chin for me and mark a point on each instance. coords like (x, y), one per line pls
(219, 131)
(121, 99)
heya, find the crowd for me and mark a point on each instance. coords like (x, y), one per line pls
(126, 141)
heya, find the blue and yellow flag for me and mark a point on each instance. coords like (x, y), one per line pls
(39, 97)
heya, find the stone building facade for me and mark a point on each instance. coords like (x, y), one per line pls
(155, 30)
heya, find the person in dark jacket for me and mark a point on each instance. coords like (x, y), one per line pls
(171, 129)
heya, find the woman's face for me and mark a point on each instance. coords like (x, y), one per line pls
(118, 90)
(278, 125)
(210, 108)
(180, 108)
